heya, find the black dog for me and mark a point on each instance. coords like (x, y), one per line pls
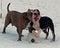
(45, 23)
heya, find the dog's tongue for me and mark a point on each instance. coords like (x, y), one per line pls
(36, 18)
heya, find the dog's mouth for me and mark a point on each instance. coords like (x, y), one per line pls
(36, 16)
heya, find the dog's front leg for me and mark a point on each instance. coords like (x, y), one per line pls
(19, 34)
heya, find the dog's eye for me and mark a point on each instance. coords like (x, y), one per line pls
(34, 13)
(38, 13)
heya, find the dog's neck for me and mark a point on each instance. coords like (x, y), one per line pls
(36, 24)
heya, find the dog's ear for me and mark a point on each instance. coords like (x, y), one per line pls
(38, 10)
(30, 10)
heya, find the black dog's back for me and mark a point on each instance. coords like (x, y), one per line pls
(46, 22)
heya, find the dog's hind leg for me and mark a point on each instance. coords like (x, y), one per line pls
(7, 22)
(46, 32)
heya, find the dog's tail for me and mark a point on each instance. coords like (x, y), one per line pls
(8, 7)
(53, 32)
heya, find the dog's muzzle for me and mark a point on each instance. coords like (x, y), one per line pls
(36, 16)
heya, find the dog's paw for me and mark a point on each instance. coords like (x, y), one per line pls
(45, 38)
(52, 40)
(4, 32)
(19, 40)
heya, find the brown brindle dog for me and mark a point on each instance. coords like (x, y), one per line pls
(19, 20)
